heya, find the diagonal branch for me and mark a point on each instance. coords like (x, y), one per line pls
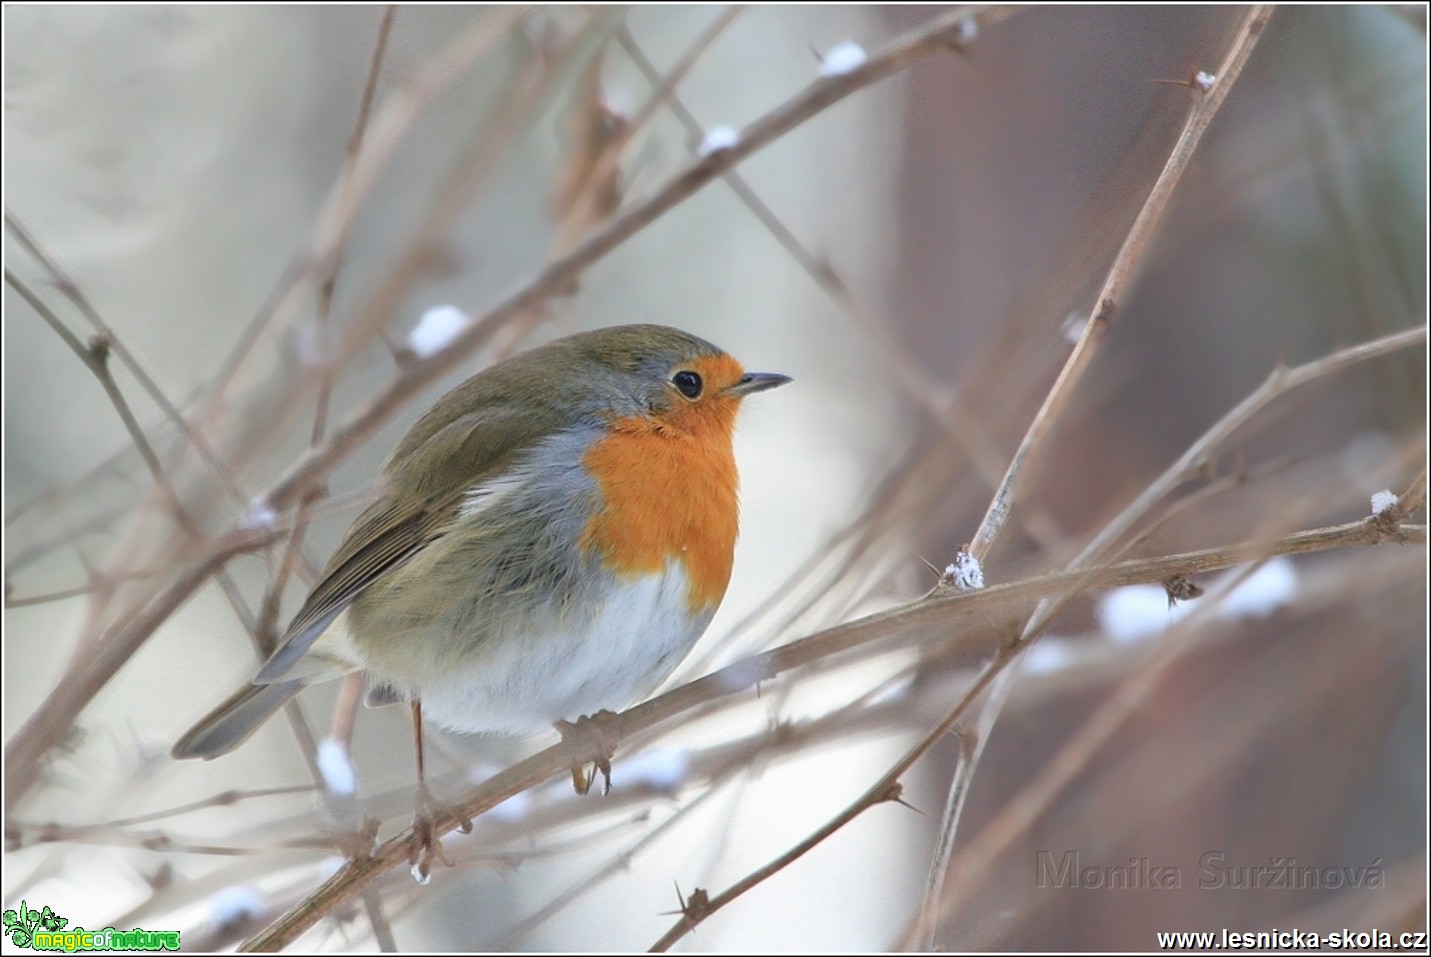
(1204, 108)
(558, 275)
(83, 680)
(1078, 578)
(942, 608)
(76, 296)
(95, 358)
(1110, 296)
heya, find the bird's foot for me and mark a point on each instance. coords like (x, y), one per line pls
(425, 846)
(588, 736)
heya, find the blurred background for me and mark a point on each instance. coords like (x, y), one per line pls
(919, 254)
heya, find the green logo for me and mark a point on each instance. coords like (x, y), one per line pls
(45, 930)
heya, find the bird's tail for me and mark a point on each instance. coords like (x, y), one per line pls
(230, 724)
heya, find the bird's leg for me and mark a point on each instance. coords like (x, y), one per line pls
(591, 734)
(426, 847)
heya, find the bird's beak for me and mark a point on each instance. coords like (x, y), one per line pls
(756, 382)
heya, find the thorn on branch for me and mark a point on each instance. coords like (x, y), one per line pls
(893, 792)
(694, 909)
(938, 575)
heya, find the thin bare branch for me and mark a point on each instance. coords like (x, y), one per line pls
(940, 400)
(95, 358)
(1204, 108)
(602, 172)
(71, 291)
(894, 57)
(1110, 297)
(988, 608)
(84, 678)
(382, 137)
(994, 676)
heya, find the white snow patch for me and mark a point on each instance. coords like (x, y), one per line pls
(845, 58)
(336, 765)
(718, 139)
(436, 330)
(1383, 500)
(965, 573)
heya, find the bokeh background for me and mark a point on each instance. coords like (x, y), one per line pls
(959, 218)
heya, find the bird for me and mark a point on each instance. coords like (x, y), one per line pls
(549, 541)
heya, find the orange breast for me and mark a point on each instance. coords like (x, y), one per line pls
(669, 492)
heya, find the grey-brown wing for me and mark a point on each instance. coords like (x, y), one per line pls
(407, 519)
(382, 538)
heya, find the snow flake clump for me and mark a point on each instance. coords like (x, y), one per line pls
(436, 330)
(718, 140)
(1383, 500)
(845, 58)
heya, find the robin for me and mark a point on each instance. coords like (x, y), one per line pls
(550, 539)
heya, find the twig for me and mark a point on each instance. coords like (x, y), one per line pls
(700, 906)
(71, 291)
(345, 205)
(384, 135)
(558, 275)
(84, 678)
(535, 82)
(719, 764)
(994, 674)
(222, 799)
(95, 357)
(976, 607)
(1073, 757)
(663, 90)
(1191, 462)
(1110, 296)
(265, 632)
(941, 401)
(618, 863)
(378, 919)
(1204, 108)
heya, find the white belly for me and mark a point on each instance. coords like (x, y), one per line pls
(546, 668)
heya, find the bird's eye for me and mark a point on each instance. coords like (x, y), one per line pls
(688, 382)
